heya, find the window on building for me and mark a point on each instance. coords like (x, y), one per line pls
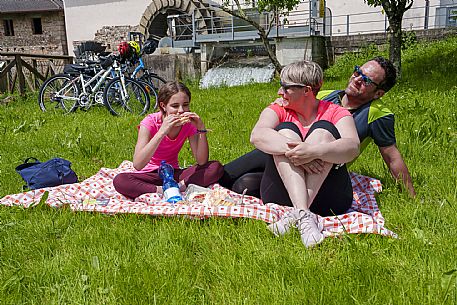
(8, 27)
(452, 16)
(36, 26)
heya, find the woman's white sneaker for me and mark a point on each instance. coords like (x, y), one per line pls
(309, 227)
(283, 225)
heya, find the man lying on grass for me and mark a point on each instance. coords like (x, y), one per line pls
(373, 121)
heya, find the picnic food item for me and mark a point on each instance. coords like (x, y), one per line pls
(218, 197)
(197, 196)
(195, 193)
(183, 119)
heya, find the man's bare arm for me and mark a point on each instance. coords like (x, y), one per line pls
(397, 166)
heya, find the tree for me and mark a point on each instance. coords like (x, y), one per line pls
(394, 10)
(280, 8)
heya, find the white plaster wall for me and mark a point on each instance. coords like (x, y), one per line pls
(293, 49)
(366, 19)
(82, 22)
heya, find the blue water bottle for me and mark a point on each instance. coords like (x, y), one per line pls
(170, 187)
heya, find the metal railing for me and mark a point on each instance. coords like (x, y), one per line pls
(188, 31)
(416, 18)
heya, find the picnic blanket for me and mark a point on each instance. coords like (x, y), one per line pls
(97, 194)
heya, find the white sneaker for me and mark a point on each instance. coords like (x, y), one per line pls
(309, 227)
(283, 225)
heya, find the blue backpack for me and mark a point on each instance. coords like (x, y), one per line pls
(53, 172)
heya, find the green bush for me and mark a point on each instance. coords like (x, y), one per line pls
(408, 40)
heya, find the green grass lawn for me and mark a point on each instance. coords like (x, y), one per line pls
(50, 256)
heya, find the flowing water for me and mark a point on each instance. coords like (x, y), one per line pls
(236, 74)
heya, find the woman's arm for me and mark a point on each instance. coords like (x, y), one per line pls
(198, 142)
(265, 138)
(342, 150)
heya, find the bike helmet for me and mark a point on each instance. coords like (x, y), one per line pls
(135, 47)
(124, 50)
(149, 46)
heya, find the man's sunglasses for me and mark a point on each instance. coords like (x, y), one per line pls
(368, 81)
(294, 85)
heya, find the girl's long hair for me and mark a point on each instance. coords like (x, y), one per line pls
(168, 90)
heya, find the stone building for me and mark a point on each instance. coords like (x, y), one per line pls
(33, 26)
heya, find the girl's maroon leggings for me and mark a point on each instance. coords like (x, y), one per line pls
(133, 185)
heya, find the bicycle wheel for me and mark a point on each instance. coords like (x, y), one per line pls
(152, 93)
(119, 101)
(58, 94)
(153, 79)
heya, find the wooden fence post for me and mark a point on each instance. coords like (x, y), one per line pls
(9, 80)
(20, 74)
(4, 82)
(34, 78)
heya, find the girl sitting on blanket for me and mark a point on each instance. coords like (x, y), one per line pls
(302, 144)
(161, 136)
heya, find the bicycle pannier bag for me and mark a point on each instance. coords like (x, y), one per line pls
(53, 172)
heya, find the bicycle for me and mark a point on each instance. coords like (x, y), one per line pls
(150, 80)
(121, 94)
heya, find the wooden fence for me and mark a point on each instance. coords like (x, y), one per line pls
(27, 71)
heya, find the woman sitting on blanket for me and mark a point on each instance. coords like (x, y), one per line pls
(161, 136)
(302, 144)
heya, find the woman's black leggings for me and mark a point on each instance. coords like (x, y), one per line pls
(257, 172)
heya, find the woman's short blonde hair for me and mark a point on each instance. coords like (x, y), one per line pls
(303, 72)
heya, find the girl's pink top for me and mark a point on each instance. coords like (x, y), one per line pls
(326, 111)
(168, 149)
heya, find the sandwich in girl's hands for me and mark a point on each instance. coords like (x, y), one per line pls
(184, 118)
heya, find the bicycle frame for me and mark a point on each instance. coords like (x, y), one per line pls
(114, 70)
(85, 84)
(140, 67)
(100, 77)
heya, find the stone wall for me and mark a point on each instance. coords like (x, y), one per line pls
(111, 36)
(174, 66)
(53, 40)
